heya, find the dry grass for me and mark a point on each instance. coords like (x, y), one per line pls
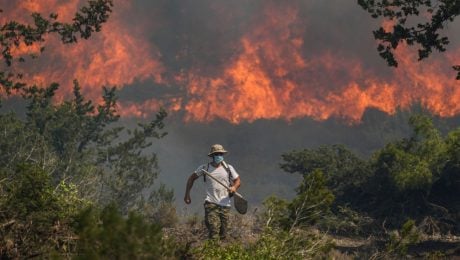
(191, 232)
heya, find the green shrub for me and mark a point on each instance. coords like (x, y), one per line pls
(346, 221)
(272, 244)
(276, 212)
(35, 216)
(313, 200)
(400, 241)
(106, 234)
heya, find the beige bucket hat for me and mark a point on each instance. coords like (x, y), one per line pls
(216, 148)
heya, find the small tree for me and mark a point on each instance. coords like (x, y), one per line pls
(93, 154)
(312, 202)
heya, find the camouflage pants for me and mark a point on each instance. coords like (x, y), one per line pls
(216, 219)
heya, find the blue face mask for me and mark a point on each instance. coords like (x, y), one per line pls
(218, 158)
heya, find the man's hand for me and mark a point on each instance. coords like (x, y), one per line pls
(190, 182)
(232, 189)
(187, 199)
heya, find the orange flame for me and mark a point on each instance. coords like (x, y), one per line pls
(116, 56)
(271, 77)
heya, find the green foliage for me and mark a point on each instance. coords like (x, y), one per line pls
(407, 171)
(345, 172)
(333, 160)
(60, 158)
(453, 151)
(106, 234)
(400, 181)
(68, 195)
(427, 142)
(272, 244)
(401, 240)
(72, 125)
(160, 207)
(446, 190)
(413, 164)
(347, 222)
(213, 250)
(276, 212)
(74, 141)
(30, 192)
(132, 171)
(35, 216)
(426, 34)
(313, 200)
(436, 255)
(20, 144)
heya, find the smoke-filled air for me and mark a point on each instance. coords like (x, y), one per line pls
(216, 129)
(258, 59)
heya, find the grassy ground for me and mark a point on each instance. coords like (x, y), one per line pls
(246, 230)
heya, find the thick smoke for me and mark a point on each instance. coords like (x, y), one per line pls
(260, 77)
(259, 59)
(272, 60)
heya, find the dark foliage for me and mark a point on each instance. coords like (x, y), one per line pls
(410, 178)
(345, 172)
(106, 234)
(61, 157)
(87, 20)
(427, 35)
(35, 215)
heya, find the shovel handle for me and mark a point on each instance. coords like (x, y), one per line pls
(221, 183)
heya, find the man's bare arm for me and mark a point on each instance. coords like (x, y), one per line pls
(188, 187)
(236, 185)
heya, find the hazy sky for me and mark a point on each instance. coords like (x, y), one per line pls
(260, 77)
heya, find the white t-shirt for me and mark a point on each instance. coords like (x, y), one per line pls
(216, 193)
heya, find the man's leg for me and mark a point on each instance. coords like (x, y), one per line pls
(211, 218)
(224, 213)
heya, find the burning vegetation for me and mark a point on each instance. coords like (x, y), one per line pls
(74, 184)
(271, 71)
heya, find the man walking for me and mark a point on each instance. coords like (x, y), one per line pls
(217, 202)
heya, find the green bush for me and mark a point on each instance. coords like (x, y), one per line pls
(407, 171)
(272, 244)
(348, 222)
(106, 234)
(35, 216)
(402, 239)
(276, 212)
(313, 201)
